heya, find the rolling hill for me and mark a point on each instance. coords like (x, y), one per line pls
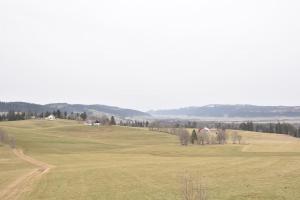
(90, 109)
(243, 111)
(64, 159)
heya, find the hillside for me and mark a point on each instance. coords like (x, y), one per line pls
(90, 109)
(231, 111)
(121, 163)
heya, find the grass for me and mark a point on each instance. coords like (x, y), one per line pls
(130, 163)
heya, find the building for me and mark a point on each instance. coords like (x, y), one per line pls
(204, 130)
(92, 123)
(50, 117)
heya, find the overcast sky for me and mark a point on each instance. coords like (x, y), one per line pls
(150, 54)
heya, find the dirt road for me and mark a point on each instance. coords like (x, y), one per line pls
(23, 183)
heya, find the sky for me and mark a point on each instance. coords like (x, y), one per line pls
(156, 54)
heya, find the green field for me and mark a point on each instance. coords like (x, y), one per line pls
(136, 164)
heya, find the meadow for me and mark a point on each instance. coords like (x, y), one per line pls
(120, 163)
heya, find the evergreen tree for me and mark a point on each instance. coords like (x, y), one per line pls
(65, 115)
(194, 136)
(83, 116)
(11, 116)
(58, 114)
(47, 114)
(112, 121)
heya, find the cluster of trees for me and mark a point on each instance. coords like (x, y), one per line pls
(14, 116)
(203, 137)
(279, 128)
(64, 115)
(134, 123)
(104, 120)
(168, 126)
(6, 139)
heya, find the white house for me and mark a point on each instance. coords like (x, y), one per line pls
(92, 123)
(50, 117)
(204, 130)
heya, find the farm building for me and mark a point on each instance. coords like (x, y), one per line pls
(92, 123)
(50, 117)
(204, 130)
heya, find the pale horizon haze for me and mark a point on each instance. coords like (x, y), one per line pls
(150, 54)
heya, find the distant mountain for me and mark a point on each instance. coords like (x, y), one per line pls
(230, 111)
(90, 109)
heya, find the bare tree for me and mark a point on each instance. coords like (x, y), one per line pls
(234, 137)
(239, 138)
(221, 136)
(184, 136)
(193, 188)
(212, 139)
(202, 137)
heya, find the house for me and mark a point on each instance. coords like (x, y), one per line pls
(50, 117)
(97, 123)
(204, 130)
(92, 123)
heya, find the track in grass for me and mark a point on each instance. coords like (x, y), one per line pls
(20, 185)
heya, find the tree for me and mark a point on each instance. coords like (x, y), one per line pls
(58, 114)
(11, 116)
(234, 137)
(47, 114)
(104, 120)
(65, 115)
(201, 137)
(193, 137)
(184, 136)
(83, 116)
(112, 121)
(221, 136)
(239, 138)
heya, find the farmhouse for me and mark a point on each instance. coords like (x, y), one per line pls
(204, 130)
(50, 117)
(92, 123)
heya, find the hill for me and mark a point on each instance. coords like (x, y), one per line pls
(90, 109)
(243, 111)
(112, 162)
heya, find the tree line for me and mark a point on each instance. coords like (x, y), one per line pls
(14, 116)
(203, 137)
(134, 123)
(279, 127)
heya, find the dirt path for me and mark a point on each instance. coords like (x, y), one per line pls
(23, 183)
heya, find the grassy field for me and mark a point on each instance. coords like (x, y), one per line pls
(135, 164)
